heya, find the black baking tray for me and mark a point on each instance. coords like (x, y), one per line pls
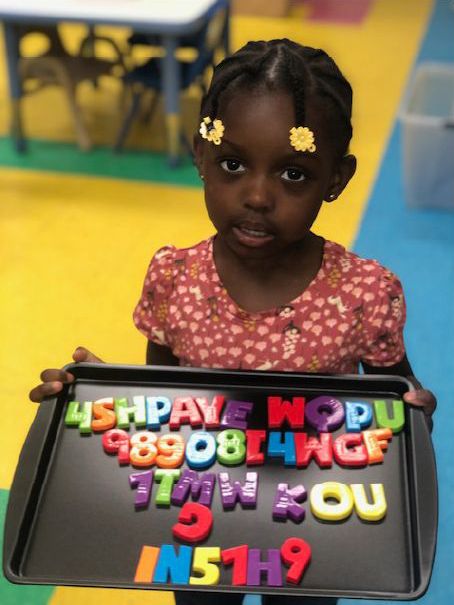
(71, 518)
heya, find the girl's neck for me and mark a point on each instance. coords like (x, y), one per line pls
(262, 284)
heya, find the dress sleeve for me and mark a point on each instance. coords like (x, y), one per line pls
(384, 322)
(150, 314)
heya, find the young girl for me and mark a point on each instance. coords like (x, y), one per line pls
(266, 293)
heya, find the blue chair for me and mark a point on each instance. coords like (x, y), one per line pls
(209, 41)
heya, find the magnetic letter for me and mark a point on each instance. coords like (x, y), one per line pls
(184, 411)
(200, 489)
(321, 449)
(231, 447)
(103, 414)
(329, 511)
(279, 411)
(204, 557)
(286, 449)
(297, 553)
(146, 565)
(364, 510)
(349, 450)
(210, 411)
(325, 414)
(376, 441)
(254, 440)
(143, 482)
(116, 441)
(172, 566)
(124, 412)
(236, 413)
(201, 450)
(195, 523)
(238, 557)
(157, 412)
(171, 451)
(358, 416)
(166, 477)
(79, 415)
(272, 567)
(397, 421)
(232, 493)
(286, 503)
(143, 448)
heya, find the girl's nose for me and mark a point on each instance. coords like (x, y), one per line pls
(259, 193)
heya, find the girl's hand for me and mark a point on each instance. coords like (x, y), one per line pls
(53, 379)
(422, 398)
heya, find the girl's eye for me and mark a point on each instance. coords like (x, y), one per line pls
(232, 166)
(293, 174)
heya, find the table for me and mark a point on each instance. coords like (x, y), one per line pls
(170, 19)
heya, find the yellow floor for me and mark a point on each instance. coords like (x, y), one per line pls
(74, 249)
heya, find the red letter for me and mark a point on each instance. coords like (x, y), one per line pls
(298, 553)
(239, 557)
(349, 450)
(313, 448)
(210, 411)
(254, 442)
(195, 524)
(117, 440)
(279, 410)
(184, 411)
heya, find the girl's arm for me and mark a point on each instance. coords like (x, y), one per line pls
(420, 397)
(159, 355)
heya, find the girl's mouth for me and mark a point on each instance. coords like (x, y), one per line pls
(252, 236)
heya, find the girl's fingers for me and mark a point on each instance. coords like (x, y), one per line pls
(82, 354)
(54, 379)
(53, 374)
(45, 390)
(422, 398)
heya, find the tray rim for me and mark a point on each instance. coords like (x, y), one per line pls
(425, 554)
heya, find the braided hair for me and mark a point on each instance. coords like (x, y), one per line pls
(278, 65)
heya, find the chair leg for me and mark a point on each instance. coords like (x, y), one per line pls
(125, 127)
(148, 114)
(53, 70)
(61, 74)
(83, 138)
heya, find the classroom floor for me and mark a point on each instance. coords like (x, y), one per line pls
(76, 227)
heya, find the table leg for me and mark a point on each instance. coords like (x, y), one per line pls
(12, 40)
(226, 32)
(171, 89)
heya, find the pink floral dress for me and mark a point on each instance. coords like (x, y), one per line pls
(352, 311)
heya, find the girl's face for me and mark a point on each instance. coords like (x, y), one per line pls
(261, 194)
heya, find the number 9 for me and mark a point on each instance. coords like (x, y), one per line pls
(171, 451)
(297, 554)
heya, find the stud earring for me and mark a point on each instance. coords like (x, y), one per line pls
(332, 197)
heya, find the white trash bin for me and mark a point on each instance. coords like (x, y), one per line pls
(427, 119)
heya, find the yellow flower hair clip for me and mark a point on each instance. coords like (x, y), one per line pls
(212, 130)
(302, 139)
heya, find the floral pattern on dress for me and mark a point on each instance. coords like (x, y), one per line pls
(352, 311)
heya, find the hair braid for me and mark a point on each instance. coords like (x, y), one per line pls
(285, 65)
